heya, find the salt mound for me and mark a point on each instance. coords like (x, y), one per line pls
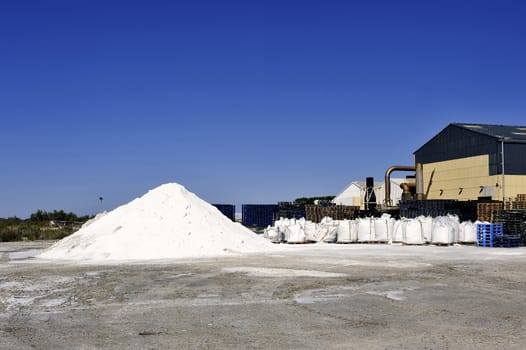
(167, 222)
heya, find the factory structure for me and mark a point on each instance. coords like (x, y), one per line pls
(463, 162)
(474, 161)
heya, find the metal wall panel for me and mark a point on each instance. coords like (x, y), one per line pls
(514, 159)
(454, 143)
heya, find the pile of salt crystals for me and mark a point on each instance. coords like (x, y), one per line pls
(168, 222)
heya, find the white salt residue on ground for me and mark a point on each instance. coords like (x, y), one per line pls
(277, 272)
(24, 254)
(168, 222)
(397, 295)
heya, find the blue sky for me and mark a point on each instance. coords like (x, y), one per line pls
(241, 102)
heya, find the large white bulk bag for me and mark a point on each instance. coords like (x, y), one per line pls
(347, 231)
(443, 232)
(390, 224)
(327, 220)
(327, 230)
(462, 231)
(468, 232)
(398, 234)
(454, 221)
(365, 230)
(284, 231)
(273, 234)
(331, 234)
(295, 234)
(354, 230)
(281, 226)
(413, 232)
(284, 222)
(344, 231)
(383, 228)
(311, 231)
(427, 227)
(321, 232)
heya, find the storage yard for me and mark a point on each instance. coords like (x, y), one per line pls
(467, 173)
(169, 270)
(322, 296)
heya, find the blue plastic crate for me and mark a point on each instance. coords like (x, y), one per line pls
(487, 234)
(489, 229)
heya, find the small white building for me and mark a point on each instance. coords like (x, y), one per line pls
(354, 193)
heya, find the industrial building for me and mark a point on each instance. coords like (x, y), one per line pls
(474, 161)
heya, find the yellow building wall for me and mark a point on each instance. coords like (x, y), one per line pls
(514, 184)
(468, 178)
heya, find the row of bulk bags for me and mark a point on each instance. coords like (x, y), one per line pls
(448, 229)
(441, 230)
(421, 230)
(300, 231)
(286, 230)
(344, 231)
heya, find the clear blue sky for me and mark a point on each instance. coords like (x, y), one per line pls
(241, 102)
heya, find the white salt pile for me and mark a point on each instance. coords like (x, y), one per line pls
(166, 223)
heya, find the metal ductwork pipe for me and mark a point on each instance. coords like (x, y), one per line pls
(388, 202)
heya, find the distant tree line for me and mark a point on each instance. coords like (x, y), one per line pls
(39, 226)
(56, 215)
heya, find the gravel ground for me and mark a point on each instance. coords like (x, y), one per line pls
(305, 297)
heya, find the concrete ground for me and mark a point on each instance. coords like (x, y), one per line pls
(304, 297)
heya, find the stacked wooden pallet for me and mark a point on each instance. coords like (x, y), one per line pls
(487, 211)
(316, 213)
(520, 202)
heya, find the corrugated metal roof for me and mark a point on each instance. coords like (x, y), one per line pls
(506, 132)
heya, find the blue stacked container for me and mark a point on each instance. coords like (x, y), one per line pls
(487, 234)
(259, 215)
(228, 210)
